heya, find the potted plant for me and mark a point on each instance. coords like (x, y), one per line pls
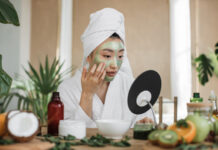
(34, 94)
(207, 65)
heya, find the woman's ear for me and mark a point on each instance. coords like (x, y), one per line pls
(88, 59)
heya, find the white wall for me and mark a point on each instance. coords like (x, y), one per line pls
(10, 44)
(15, 42)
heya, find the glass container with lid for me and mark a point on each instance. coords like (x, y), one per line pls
(202, 109)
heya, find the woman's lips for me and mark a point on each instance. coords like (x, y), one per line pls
(111, 74)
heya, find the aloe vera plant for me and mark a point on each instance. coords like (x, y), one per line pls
(35, 93)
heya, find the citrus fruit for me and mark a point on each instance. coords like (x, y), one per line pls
(187, 131)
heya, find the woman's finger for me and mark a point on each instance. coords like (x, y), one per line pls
(101, 71)
(93, 69)
(103, 75)
(84, 73)
(98, 70)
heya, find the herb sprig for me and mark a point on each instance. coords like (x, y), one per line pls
(6, 141)
(197, 147)
(182, 123)
(64, 143)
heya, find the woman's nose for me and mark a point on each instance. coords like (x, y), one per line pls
(114, 63)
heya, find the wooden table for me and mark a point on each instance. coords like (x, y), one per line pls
(37, 144)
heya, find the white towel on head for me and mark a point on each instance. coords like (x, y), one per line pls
(102, 25)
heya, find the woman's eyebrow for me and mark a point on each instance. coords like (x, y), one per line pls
(109, 50)
(121, 50)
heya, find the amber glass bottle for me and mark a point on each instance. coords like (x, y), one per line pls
(55, 113)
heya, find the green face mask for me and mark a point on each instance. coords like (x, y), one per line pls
(115, 47)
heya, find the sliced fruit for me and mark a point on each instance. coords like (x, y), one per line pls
(186, 129)
(22, 126)
(3, 124)
(168, 139)
(153, 136)
(3, 121)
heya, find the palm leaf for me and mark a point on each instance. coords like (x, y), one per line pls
(204, 69)
(8, 13)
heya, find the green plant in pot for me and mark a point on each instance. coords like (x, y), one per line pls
(207, 65)
(34, 93)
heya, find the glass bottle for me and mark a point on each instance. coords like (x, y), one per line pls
(55, 113)
(213, 100)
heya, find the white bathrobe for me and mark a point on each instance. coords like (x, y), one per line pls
(102, 25)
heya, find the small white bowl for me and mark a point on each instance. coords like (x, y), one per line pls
(113, 129)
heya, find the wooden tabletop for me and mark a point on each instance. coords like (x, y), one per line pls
(37, 144)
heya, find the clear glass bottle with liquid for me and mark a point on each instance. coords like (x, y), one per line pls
(213, 100)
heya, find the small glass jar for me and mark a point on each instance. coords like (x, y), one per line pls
(142, 130)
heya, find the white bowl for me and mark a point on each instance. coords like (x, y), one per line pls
(114, 129)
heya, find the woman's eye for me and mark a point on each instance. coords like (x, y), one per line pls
(106, 56)
(120, 57)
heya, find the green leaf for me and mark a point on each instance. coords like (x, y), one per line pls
(182, 123)
(6, 141)
(204, 68)
(5, 80)
(69, 137)
(8, 13)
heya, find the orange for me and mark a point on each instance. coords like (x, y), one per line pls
(3, 124)
(187, 133)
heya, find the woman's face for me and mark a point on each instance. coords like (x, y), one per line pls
(111, 53)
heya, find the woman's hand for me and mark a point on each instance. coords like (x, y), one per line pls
(93, 78)
(91, 81)
(146, 120)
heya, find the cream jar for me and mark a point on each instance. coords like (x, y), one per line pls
(72, 127)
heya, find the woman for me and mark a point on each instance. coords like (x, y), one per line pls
(100, 89)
